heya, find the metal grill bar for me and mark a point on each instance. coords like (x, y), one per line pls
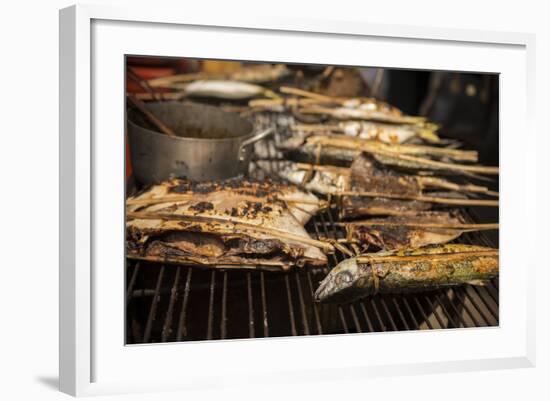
(315, 305)
(250, 307)
(302, 305)
(366, 315)
(132, 283)
(211, 305)
(398, 309)
(264, 305)
(290, 307)
(182, 327)
(153, 309)
(223, 325)
(173, 295)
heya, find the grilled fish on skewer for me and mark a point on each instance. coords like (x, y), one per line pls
(357, 103)
(376, 147)
(233, 223)
(383, 132)
(231, 90)
(326, 181)
(349, 113)
(414, 231)
(255, 74)
(359, 206)
(367, 173)
(368, 188)
(408, 270)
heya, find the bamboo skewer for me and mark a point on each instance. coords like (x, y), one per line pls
(441, 183)
(237, 225)
(423, 181)
(259, 103)
(325, 167)
(441, 165)
(145, 96)
(432, 257)
(427, 163)
(348, 113)
(451, 226)
(184, 198)
(311, 95)
(421, 198)
(264, 265)
(367, 145)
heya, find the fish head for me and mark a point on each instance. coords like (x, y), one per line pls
(342, 284)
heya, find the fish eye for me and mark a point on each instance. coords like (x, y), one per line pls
(344, 278)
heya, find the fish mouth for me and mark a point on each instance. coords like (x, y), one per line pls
(327, 293)
(321, 293)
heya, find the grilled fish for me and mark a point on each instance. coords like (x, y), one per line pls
(363, 112)
(414, 231)
(231, 90)
(408, 270)
(234, 223)
(372, 130)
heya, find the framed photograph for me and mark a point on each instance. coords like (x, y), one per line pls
(317, 200)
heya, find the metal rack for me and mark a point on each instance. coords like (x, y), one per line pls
(179, 303)
(166, 303)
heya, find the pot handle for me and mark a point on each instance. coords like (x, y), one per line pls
(261, 135)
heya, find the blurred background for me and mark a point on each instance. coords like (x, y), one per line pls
(464, 104)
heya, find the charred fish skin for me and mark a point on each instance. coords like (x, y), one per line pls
(408, 270)
(398, 234)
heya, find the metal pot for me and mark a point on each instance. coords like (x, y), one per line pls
(211, 144)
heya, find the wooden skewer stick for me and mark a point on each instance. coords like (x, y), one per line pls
(205, 263)
(426, 163)
(423, 181)
(326, 167)
(259, 103)
(430, 199)
(371, 146)
(184, 198)
(344, 113)
(172, 79)
(441, 183)
(433, 257)
(236, 224)
(317, 96)
(440, 165)
(151, 117)
(166, 96)
(465, 226)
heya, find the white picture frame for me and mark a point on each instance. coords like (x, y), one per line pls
(93, 357)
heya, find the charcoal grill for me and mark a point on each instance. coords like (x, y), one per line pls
(167, 303)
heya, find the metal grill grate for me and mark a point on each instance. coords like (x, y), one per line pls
(180, 303)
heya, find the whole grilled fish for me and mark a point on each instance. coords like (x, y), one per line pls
(408, 270)
(231, 90)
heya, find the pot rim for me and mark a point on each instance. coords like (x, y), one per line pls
(239, 139)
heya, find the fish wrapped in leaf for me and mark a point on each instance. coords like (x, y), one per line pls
(408, 270)
(234, 224)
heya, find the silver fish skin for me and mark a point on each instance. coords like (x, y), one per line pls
(408, 270)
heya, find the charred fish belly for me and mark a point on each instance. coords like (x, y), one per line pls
(408, 270)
